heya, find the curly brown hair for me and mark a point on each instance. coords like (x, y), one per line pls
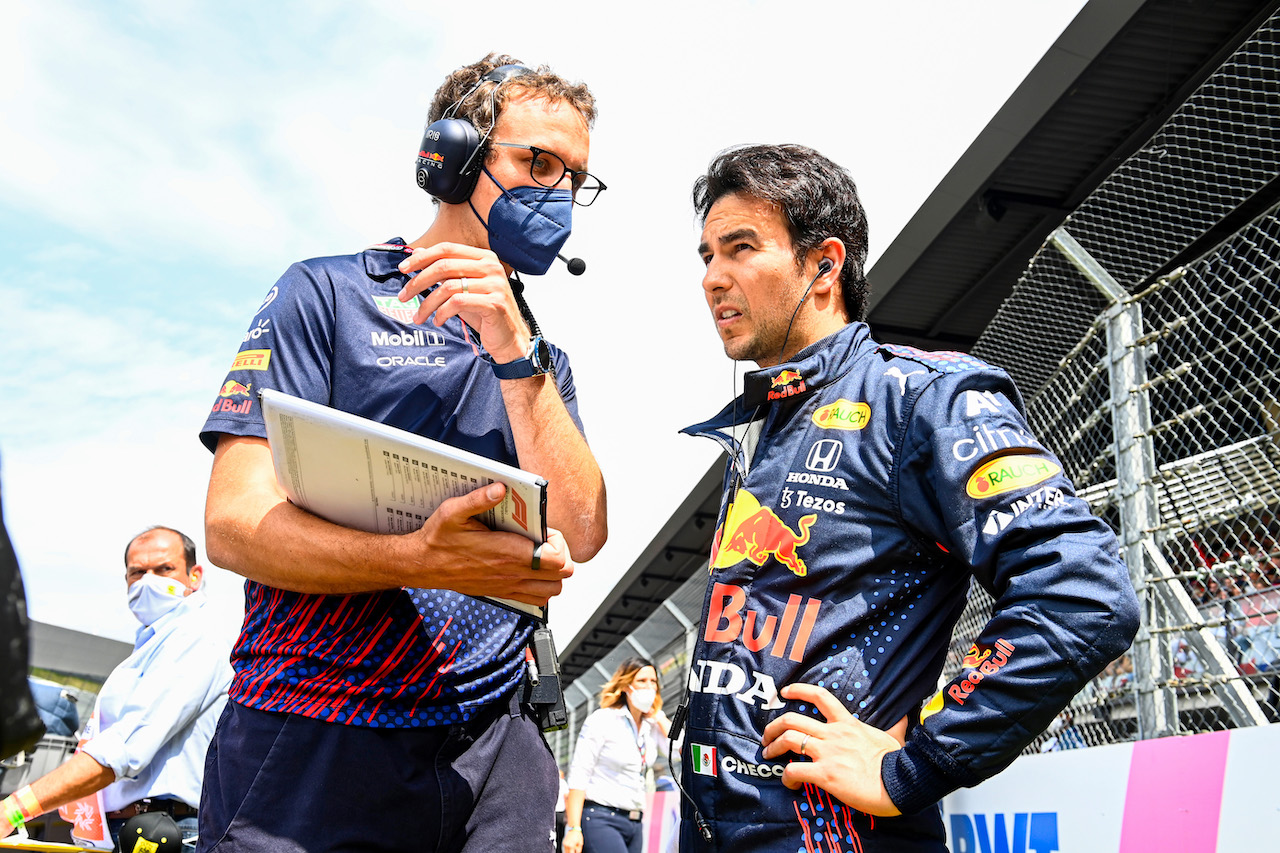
(541, 82)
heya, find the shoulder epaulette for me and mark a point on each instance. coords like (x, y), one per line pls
(943, 361)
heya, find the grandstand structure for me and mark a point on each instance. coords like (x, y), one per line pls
(1112, 239)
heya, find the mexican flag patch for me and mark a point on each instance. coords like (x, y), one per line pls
(704, 759)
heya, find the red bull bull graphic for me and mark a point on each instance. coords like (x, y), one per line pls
(786, 384)
(843, 414)
(252, 359)
(727, 623)
(232, 388)
(1009, 473)
(754, 532)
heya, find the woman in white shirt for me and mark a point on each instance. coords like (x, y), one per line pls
(617, 745)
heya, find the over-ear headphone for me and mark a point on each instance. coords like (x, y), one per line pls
(451, 153)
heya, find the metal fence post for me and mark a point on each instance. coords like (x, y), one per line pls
(1135, 484)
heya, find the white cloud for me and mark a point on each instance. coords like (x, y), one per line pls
(186, 152)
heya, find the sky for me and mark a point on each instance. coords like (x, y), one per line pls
(163, 162)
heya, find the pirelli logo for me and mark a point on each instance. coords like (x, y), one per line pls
(252, 359)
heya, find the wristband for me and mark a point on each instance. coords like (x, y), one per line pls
(573, 829)
(21, 806)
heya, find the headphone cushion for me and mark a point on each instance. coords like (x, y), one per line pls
(446, 147)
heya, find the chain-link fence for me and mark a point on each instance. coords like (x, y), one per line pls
(1144, 338)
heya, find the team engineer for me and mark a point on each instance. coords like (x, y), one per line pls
(144, 745)
(374, 698)
(866, 484)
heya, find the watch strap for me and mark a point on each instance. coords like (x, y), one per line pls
(536, 361)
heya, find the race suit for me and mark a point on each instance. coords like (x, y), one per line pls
(866, 485)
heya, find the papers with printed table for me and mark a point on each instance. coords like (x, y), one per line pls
(369, 476)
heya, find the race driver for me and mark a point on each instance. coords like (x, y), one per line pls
(866, 484)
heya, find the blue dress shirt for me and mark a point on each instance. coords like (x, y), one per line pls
(158, 709)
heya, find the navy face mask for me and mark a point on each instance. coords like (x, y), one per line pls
(528, 225)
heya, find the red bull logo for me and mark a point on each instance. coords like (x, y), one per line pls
(232, 388)
(975, 657)
(786, 377)
(232, 407)
(754, 532)
(1009, 473)
(727, 623)
(980, 663)
(434, 156)
(843, 414)
(785, 384)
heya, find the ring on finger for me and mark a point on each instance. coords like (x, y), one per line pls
(464, 285)
(537, 556)
(803, 742)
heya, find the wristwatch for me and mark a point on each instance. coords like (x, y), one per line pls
(536, 361)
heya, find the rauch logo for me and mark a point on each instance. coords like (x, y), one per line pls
(1007, 473)
(843, 414)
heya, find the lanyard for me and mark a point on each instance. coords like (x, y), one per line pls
(642, 745)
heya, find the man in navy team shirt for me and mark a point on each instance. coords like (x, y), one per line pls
(375, 703)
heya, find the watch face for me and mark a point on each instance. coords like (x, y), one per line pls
(542, 355)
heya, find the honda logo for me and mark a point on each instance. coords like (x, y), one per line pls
(824, 455)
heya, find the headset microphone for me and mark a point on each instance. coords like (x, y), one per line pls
(577, 266)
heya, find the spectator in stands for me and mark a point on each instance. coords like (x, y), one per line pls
(866, 485)
(144, 746)
(618, 744)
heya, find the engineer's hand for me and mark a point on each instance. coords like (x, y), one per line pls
(473, 286)
(844, 753)
(460, 553)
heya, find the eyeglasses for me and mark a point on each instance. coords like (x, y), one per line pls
(549, 170)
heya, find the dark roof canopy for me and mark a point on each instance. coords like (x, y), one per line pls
(1116, 73)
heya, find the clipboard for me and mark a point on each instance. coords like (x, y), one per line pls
(369, 476)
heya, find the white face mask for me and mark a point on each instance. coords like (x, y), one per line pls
(152, 596)
(643, 699)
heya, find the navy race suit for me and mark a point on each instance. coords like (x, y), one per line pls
(333, 331)
(866, 485)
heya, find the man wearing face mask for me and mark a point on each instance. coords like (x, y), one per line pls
(372, 650)
(143, 748)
